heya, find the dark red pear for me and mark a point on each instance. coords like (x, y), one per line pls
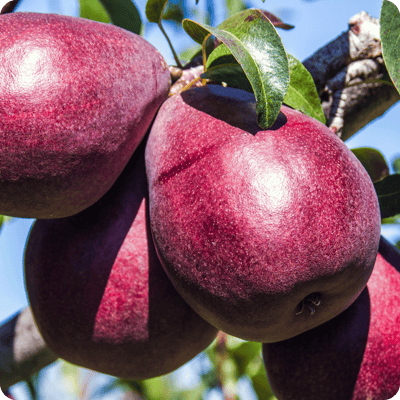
(265, 233)
(99, 294)
(354, 356)
(77, 97)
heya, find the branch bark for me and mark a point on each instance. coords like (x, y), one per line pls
(354, 89)
(351, 77)
(22, 350)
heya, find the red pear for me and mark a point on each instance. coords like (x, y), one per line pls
(265, 233)
(77, 97)
(354, 356)
(99, 294)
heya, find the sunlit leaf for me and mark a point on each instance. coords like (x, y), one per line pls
(302, 94)
(244, 354)
(373, 161)
(257, 47)
(124, 14)
(390, 37)
(70, 378)
(155, 9)
(93, 9)
(261, 385)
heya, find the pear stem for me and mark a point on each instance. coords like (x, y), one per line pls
(178, 63)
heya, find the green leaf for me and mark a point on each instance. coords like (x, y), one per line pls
(155, 9)
(302, 93)
(373, 161)
(234, 6)
(261, 385)
(93, 9)
(174, 13)
(124, 14)
(244, 354)
(257, 47)
(388, 190)
(70, 378)
(390, 38)
(222, 66)
(396, 165)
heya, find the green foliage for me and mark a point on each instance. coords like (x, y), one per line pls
(396, 165)
(373, 161)
(174, 13)
(155, 9)
(302, 93)
(390, 35)
(255, 44)
(124, 14)
(388, 190)
(93, 9)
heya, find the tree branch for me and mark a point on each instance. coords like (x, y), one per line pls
(354, 89)
(22, 350)
(351, 77)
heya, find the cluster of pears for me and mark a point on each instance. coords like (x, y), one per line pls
(161, 221)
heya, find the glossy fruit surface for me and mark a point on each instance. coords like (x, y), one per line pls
(99, 294)
(355, 356)
(266, 234)
(77, 97)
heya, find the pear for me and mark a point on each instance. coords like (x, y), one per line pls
(265, 233)
(99, 294)
(77, 97)
(354, 356)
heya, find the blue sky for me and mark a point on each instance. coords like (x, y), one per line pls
(316, 23)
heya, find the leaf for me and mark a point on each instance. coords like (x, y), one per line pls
(124, 14)
(396, 165)
(234, 6)
(388, 190)
(222, 66)
(70, 378)
(257, 47)
(155, 9)
(261, 385)
(174, 13)
(244, 354)
(93, 9)
(373, 161)
(390, 38)
(302, 93)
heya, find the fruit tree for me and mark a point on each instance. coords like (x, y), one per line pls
(203, 222)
